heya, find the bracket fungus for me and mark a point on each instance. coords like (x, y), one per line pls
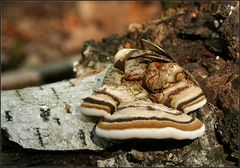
(146, 95)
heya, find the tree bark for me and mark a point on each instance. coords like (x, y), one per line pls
(203, 38)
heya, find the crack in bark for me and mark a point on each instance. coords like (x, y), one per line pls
(8, 116)
(38, 134)
(19, 95)
(82, 136)
(55, 93)
(57, 120)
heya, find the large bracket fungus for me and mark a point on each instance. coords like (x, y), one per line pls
(146, 95)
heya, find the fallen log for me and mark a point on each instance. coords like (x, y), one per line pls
(199, 39)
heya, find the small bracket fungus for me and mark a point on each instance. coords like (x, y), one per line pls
(146, 95)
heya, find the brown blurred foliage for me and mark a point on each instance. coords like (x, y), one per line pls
(38, 32)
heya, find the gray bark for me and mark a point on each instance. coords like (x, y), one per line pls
(47, 117)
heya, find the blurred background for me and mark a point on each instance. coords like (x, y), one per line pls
(36, 33)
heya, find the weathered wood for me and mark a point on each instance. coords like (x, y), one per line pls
(47, 117)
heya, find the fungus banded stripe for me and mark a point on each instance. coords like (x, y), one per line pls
(191, 96)
(105, 101)
(116, 99)
(109, 107)
(99, 104)
(184, 96)
(140, 123)
(119, 93)
(145, 119)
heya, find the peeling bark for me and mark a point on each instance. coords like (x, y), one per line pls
(47, 117)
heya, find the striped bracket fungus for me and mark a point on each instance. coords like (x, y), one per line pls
(146, 95)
